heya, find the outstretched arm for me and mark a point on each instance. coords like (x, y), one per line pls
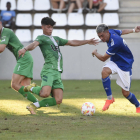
(127, 31)
(99, 56)
(82, 42)
(2, 47)
(30, 47)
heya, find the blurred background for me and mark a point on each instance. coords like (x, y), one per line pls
(75, 19)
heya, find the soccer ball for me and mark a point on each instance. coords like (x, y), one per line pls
(88, 109)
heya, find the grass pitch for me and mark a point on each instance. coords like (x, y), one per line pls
(120, 122)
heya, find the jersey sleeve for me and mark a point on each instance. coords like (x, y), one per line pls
(113, 48)
(38, 39)
(5, 38)
(62, 42)
(119, 32)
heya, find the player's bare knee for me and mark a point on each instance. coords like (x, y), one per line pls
(44, 94)
(104, 73)
(125, 93)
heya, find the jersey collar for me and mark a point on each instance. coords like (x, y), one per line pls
(47, 35)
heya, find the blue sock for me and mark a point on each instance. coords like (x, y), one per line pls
(107, 87)
(132, 98)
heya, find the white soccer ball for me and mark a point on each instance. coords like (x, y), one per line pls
(88, 109)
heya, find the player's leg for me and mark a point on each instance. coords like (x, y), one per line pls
(45, 92)
(107, 82)
(45, 89)
(131, 97)
(124, 81)
(107, 70)
(53, 79)
(17, 84)
(56, 99)
(56, 89)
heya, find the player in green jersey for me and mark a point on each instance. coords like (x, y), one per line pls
(53, 67)
(23, 71)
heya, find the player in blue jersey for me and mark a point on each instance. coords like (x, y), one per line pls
(121, 60)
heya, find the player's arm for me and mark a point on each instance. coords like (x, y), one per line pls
(127, 31)
(99, 56)
(2, 47)
(92, 41)
(30, 47)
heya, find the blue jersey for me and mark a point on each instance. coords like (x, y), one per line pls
(119, 51)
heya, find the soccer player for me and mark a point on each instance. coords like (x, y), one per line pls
(121, 60)
(53, 66)
(23, 71)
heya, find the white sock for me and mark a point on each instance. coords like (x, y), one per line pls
(36, 104)
(31, 88)
(80, 10)
(109, 97)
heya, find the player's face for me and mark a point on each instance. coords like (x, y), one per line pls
(104, 36)
(47, 29)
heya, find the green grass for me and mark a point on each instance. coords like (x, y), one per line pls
(120, 122)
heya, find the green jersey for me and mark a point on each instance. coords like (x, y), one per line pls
(49, 46)
(10, 39)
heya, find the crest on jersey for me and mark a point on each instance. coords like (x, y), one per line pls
(112, 42)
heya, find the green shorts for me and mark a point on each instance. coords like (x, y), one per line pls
(51, 78)
(24, 66)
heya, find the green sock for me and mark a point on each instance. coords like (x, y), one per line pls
(36, 90)
(28, 95)
(47, 102)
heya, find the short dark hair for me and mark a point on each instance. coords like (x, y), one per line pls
(8, 3)
(101, 28)
(47, 21)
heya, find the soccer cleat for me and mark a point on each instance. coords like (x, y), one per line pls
(138, 110)
(27, 88)
(107, 104)
(32, 108)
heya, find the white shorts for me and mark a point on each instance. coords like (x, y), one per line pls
(123, 78)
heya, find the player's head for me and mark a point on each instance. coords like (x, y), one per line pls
(8, 5)
(103, 33)
(47, 25)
